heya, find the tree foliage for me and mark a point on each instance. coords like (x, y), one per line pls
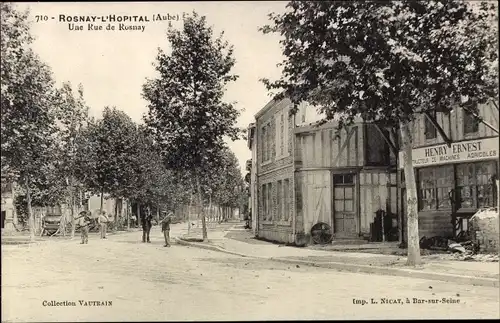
(386, 61)
(224, 179)
(26, 98)
(107, 158)
(187, 114)
(27, 114)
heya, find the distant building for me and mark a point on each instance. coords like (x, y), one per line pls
(8, 209)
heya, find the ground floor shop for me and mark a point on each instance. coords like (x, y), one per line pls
(453, 182)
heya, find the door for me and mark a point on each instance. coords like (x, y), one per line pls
(345, 219)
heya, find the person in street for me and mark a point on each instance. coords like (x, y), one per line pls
(82, 221)
(165, 228)
(103, 223)
(133, 221)
(146, 226)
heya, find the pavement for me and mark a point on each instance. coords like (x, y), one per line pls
(123, 279)
(237, 241)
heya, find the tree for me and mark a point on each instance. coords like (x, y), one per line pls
(386, 62)
(187, 115)
(26, 103)
(154, 183)
(72, 117)
(106, 161)
(225, 180)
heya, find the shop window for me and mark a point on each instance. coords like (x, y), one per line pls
(435, 185)
(430, 130)
(471, 123)
(476, 185)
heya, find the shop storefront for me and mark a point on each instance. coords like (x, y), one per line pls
(453, 183)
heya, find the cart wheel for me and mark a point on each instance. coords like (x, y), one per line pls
(321, 233)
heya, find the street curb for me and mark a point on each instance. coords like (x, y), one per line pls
(355, 268)
(209, 247)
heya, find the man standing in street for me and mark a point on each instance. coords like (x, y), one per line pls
(146, 226)
(103, 223)
(165, 228)
(82, 221)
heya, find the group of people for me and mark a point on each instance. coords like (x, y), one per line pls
(84, 219)
(165, 227)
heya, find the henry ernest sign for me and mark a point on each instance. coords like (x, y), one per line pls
(464, 151)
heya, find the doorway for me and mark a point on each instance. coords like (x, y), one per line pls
(344, 201)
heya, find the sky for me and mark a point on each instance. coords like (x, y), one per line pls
(112, 65)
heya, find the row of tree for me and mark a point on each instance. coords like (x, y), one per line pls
(54, 150)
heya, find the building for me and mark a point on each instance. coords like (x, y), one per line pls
(252, 168)
(455, 157)
(8, 209)
(306, 175)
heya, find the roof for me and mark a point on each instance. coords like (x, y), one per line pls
(268, 106)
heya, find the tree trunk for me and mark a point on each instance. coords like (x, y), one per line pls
(411, 198)
(129, 210)
(138, 213)
(200, 201)
(31, 219)
(189, 212)
(102, 198)
(73, 204)
(158, 212)
(210, 208)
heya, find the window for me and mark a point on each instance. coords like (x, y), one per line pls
(476, 186)
(376, 148)
(267, 142)
(271, 140)
(279, 201)
(430, 130)
(471, 124)
(435, 184)
(281, 129)
(282, 133)
(264, 202)
(344, 193)
(343, 179)
(269, 202)
(264, 144)
(286, 194)
(6, 187)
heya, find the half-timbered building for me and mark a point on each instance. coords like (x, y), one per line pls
(455, 157)
(306, 175)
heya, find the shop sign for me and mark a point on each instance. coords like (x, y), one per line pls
(464, 151)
